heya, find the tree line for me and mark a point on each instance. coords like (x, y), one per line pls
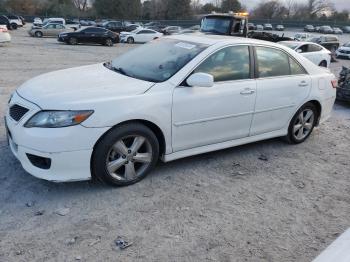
(172, 9)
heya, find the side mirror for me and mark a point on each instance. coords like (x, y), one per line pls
(200, 80)
(299, 51)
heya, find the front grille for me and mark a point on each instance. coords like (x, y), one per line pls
(17, 112)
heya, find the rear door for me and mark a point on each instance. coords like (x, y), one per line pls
(282, 86)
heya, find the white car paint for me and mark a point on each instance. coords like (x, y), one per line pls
(302, 36)
(312, 51)
(140, 35)
(4, 34)
(344, 51)
(193, 120)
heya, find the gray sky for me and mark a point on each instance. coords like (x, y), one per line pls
(339, 4)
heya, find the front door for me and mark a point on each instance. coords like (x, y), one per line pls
(223, 112)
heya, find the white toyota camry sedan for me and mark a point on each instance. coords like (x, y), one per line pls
(174, 97)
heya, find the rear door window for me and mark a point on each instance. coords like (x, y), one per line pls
(272, 62)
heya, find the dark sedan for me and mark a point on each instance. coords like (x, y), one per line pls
(91, 35)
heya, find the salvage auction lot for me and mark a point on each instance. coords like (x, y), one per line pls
(267, 201)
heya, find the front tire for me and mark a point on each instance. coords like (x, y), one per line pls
(73, 41)
(125, 155)
(38, 34)
(14, 26)
(130, 40)
(302, 124)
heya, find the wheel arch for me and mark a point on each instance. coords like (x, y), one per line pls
(318, 106)
(154, 128)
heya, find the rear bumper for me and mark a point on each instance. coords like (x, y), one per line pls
(5, 37)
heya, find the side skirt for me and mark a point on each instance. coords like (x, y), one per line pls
(222, 145)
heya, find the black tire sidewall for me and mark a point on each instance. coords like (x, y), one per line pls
(102, 148)
(131, 41)
(290, 137)
(74, 42)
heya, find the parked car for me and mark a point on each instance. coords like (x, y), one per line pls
(251, 26)
(48, 30)
(346, 29)
(259, 27)
(268, 27)
(23, 20)
(315, 53)
(115, 26)
(61, 21)
(309, 28)
(330, 42)
(344, 51)
(195, 27)
(122, 116)
(156, 26)
(337, 31)
(37, 21)
(131, 27)
(326, 29)
(280, 28)
(5, 21)
(317, 29)
(91, 35)
(266, 36)
(15, 21)
(4, 34)
(302, 36)
(169, 30)
(140, 35)
(343, 90)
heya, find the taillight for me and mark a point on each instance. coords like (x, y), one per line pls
(334, 83)
(3, 30)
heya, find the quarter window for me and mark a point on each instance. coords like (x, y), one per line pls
(272, 62)
(230, 63)
(295, 68)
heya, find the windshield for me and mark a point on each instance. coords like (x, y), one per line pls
(156, 61)
(290, 45)
(217, 25)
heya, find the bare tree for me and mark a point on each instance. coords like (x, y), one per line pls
(317, 7)
(290, 7)
(82, 5)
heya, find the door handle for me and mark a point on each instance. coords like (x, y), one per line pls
(303, 83)
(247, 91)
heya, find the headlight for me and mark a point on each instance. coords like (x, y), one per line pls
(52, 119)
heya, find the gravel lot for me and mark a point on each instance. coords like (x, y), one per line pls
(223, 206)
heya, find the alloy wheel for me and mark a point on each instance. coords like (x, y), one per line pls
(303, 124)
(128, 158)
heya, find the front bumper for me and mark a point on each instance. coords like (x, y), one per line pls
(339, 54)
(69, 149)
(343, 94)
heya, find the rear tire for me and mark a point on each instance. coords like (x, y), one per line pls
(130, 40)
(14, 26)
(323, 64)
(38, 34)
(302, 124)
(125, 155)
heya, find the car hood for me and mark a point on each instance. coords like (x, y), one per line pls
(75, 87)
(344, 48)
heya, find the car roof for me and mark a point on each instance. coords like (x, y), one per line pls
(208, 39)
